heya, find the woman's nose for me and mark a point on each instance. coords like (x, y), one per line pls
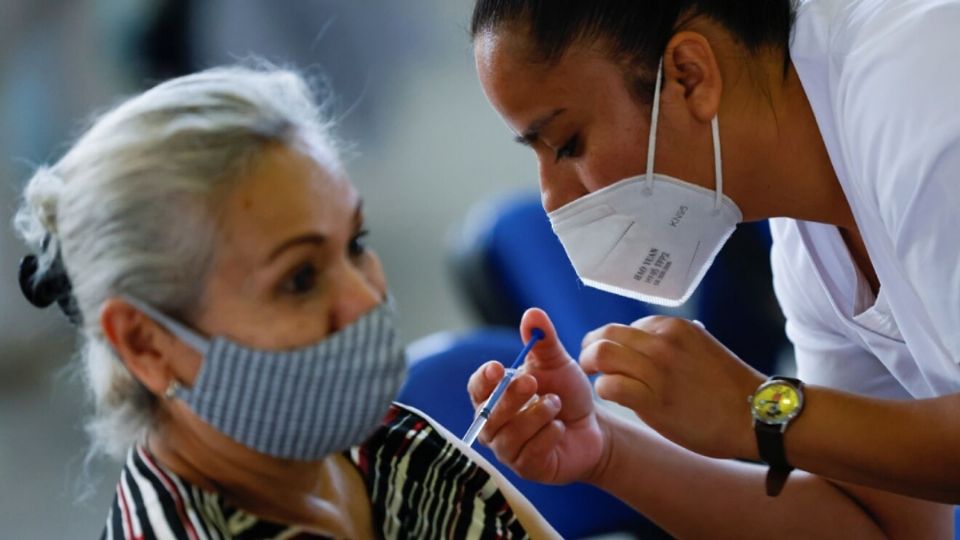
(356, 295)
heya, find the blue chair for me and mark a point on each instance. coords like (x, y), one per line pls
(956, 523)
(440, 366)
(506, 258)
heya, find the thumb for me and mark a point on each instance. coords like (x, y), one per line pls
(548, 352)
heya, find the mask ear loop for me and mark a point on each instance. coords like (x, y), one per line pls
(654, 120)
(717, 162)
(184, 334)
(652, 144)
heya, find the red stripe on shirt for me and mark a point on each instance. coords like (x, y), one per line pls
(172, 489)
(126, 512)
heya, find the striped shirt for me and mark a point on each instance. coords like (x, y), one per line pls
(420, 486)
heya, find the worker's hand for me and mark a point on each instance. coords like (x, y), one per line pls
(680, 380)
(545, 425)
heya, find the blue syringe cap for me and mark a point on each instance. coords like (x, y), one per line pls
(537, 333)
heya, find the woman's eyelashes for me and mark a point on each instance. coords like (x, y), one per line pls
(358, 244)
(569, 148)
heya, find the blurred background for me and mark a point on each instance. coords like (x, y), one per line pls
(425, 147)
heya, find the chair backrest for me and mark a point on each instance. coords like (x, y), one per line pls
(440, 366)
(508, 259)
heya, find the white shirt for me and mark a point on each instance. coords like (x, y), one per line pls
(883, 79)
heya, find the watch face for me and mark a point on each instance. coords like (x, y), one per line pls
(776, 402)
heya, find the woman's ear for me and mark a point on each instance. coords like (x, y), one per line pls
(690, 62)
(146, 349)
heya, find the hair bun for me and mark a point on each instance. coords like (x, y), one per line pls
(37, 291)
(41, 290)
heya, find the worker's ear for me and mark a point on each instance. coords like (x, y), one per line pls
(691, 72)
(150, 353)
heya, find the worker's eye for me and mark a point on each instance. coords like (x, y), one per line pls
(569, 148)
(358, 244)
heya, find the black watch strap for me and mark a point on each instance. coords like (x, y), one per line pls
(776, 479)
(770, 446)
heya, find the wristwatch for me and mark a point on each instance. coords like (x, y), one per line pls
(774, 405)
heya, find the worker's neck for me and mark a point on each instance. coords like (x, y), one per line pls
(795, 166)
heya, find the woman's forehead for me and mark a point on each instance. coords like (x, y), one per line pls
(289, 192)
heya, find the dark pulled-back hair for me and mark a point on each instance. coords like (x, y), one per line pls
(636, 31)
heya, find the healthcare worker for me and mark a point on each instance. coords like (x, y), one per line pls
(657, 126)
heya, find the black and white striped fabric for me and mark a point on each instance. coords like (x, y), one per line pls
(420, 486)
(299, 404)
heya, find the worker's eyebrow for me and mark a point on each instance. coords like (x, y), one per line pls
(532, 132)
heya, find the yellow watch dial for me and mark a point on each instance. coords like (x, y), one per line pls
(775, 403)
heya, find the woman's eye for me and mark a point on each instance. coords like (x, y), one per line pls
(358, 244)
(303, 281)
(569, 148)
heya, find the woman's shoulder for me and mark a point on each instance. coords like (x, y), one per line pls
(409, 437)
(411, 466)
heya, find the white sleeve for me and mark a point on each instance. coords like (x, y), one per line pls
(898, 106)
(825, 356)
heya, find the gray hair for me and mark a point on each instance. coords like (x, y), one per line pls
(130, 209)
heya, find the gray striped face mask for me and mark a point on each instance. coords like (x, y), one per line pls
(300, 404)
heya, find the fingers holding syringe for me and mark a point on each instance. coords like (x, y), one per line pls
(483, 381)
(518, 409)
(518, 394)
(529, 426)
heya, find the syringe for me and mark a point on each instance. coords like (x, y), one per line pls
(484, 414)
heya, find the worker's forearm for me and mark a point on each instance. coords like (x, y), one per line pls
(692, 496)
(907, 447)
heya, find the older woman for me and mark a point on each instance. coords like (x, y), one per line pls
(238, 339)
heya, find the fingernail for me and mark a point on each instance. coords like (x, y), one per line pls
(552, 400)
(488, 373)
